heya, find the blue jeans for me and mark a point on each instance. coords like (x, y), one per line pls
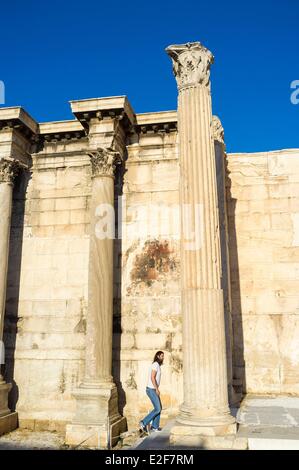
(155, 414)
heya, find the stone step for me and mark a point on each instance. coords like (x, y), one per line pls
(272, 444)
(270, 438)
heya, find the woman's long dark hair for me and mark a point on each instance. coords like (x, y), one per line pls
(156, 358)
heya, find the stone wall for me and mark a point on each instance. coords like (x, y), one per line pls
(150, 303)
(47, 285)
(263, 207)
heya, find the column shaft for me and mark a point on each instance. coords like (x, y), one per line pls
(98, 363)
(5, 211)
(8, 167)
(204, 348)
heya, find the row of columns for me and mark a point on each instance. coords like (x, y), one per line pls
(205, 408)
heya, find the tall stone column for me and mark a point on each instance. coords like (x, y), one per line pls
(8, 169)
(97, 414)
(205, 409)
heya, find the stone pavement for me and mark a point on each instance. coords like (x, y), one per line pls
(270, 423)
(25, 439)
(265, 422)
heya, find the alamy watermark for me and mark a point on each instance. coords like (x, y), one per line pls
(2, 92)
(295, 94)
(151, 220)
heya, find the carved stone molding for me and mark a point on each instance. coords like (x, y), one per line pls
(8, 170)
(217, 130)
(191, 64)
(104, 161)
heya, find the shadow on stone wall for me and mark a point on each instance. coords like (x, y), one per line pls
(239, 376)
(117, 279)
(12, 323)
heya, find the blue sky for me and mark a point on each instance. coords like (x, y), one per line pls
(52, 52)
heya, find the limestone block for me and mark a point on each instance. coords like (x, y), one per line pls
(285, 271)
(295, 220)
(287, 337)
(45, 231)
(41, 204)
(74, 230)
(44, 180)
(79, 216)
(286, 254)
(293, 204)
(249, 193)
(262, 379)
(48, 307)
(46, 324)
(50, 341)
(165, 176)
(151, 341)
(282, 221)
(8, 423)
(283, 190)
(80, 245)
(268, 302)
(252, 223)
(261, 346)
(283, 163)
(71, 178)
(159, 315)
(138, 176)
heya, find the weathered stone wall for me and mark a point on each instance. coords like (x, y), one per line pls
(263, 206)
(48, 272)
(47, 285)
(150, 311)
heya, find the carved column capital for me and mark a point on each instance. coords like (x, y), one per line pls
(217, 130)
(191, 64)
(104, 161)
(8, 170)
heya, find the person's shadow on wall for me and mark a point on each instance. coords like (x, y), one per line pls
(12, 321)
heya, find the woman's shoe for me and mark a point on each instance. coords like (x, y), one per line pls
(142, 427)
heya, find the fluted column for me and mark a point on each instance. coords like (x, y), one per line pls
(8, 170)
(204, 352)
(7, 173)
(98, 362)
(97, 402)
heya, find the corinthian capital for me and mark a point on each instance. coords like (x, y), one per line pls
(8, 170)
(191, 64)
(217, 130)
(103, 161)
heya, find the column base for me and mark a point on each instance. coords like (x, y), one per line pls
(97, 422)
(8, 423)
(8, 420)
(208, 421)
(192, 425)
(95, 436)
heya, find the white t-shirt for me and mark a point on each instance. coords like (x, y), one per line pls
(155, 366)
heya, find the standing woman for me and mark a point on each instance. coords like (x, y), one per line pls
(152, 391)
